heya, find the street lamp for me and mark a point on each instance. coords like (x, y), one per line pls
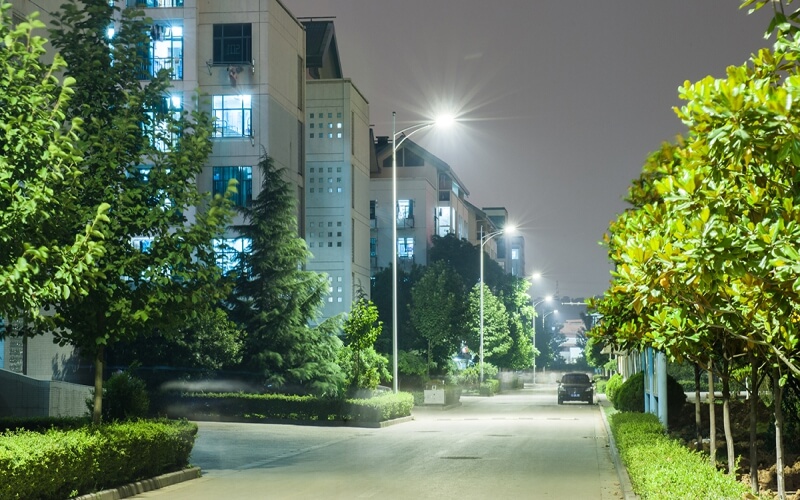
(405, 133)
(484, 239)
(547, 298)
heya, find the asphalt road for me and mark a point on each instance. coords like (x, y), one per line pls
(519, 445)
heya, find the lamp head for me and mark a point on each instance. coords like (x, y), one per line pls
(444, 120)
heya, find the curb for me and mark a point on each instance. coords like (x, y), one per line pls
(622, 472)
(145, 485)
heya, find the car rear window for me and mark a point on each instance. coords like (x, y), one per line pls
(576, 379)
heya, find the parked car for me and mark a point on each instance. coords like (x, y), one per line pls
(575, 387)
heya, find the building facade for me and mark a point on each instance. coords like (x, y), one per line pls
(431, 200)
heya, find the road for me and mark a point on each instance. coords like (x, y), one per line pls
(517, 445)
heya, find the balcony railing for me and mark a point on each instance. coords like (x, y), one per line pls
(154, 4)
(405, 222)
(173, 64)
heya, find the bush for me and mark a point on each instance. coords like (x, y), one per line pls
(124, 397)
(60, 464)
(630, 396)
(612, 387)
(244, 406)
(662, 468)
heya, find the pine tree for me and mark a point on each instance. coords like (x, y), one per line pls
(275, 299)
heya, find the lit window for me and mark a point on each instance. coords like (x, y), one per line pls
(405, 209)
(232, 115)
(230, 253)
(165, 52)
(405, 247)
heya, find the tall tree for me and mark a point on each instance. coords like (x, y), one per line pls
(275, 299)
(142, 158)
(497, 341)
(40, 176)
(437, 302)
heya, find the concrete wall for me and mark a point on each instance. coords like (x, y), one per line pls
(23, 396)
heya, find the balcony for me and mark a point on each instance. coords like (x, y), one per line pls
(405, 222)
(173, 64)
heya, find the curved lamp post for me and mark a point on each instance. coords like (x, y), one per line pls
(547, 298)
(484, 239)
(405, 133)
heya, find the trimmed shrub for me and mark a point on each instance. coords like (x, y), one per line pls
(60, 464)
(612, 387)
(244, 406)
(630, 396)
(660, 467)
(124, 397)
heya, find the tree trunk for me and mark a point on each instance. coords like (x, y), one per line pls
(778, 395)
(726, 418)
(712, 418)
(97, 411)
(753, 423)
(698, 420)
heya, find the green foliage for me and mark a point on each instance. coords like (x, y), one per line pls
(40, 174)
(58, 464)
(437, 302)
(244, 406)
(663, 468)
(497, 341)
(362, 366)
(630, 395)
(612, 388)
(124, 397)
(411, 363)
(275, 299)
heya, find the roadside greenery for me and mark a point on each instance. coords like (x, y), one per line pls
(660, 467)
(57, 464)
(258, 407)
(706, 262)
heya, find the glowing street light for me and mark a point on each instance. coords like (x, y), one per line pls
(405, 133)
(547, 298)
(509, 229)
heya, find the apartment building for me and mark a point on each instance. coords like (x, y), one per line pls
(338, 148)
(431, 199)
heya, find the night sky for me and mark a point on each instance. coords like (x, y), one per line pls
(559, 101)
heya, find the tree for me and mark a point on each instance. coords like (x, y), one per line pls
(142, 158)
(364, 367)
(497, 340)
(274, 299)
(437, 302)
(40, 173)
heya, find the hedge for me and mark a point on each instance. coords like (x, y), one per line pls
(287, 407)
(660, 467)
(58, 464)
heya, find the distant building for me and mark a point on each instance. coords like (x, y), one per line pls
(570, 350)
(431, 199)
(338, 150)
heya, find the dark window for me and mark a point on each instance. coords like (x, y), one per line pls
(244, 188)
(233, 43)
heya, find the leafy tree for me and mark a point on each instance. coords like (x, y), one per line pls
(437, 302)
(364, 367)
(206, 343)
(40, 174)
(275, 299)
(497, 341)
(148, 179)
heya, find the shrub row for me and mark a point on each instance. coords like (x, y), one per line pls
(58, 464)
(287, 407)
(660, 467)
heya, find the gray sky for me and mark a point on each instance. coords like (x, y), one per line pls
(561, 101)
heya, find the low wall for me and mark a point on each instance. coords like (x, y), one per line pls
(22, 396)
